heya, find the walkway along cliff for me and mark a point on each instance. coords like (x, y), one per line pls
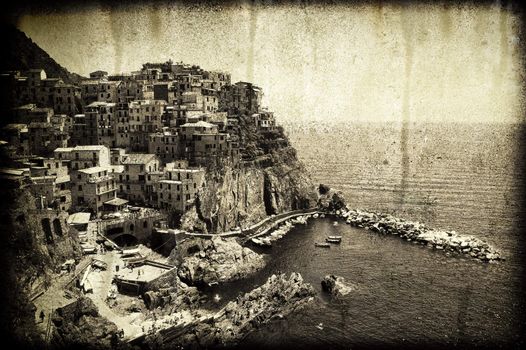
(271, 182)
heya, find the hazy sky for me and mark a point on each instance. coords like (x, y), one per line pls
(339, 63)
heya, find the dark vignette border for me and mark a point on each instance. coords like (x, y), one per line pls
(14, 9)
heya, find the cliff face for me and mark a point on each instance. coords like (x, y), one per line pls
(29, 256)
(240, 197)
(270, 180)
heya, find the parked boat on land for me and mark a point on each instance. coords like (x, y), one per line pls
(333, 241)
(261, 242)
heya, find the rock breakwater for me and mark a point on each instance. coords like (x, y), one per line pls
(448, 241)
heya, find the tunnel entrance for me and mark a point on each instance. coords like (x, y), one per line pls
(126, 240)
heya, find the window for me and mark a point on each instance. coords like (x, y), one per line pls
(80, 187)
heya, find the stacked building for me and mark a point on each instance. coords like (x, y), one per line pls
(142, 138)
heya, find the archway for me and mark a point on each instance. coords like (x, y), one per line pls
(126, 240)
(46, 227)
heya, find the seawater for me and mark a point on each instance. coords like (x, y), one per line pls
(459, 177)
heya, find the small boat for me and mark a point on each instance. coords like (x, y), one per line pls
(322, 245)
(263, 242)
(335, 237)
(320, 326)
(266, 241)
(334, 241)
(335, 223)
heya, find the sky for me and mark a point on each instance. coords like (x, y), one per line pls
(338, 63)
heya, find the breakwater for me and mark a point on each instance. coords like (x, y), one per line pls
(448, 241)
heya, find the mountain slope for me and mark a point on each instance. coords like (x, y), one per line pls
(22, 54)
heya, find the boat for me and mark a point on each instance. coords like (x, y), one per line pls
(322, 245)
(320, 326)
(256, 241)
(266, 241)
(334, 241)
(335, 237)
(335, 223)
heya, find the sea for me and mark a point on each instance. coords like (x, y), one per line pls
(455, 176)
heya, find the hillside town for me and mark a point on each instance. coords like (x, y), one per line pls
(114, 142)
(104, 169)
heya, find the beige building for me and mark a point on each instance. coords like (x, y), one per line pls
(144, 118)
(133, 182)
(92, 187)
(178, 189)
(82, 157)
(165, 145)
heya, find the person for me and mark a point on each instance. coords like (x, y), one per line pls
(42, 315)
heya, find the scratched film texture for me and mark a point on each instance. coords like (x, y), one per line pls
(411, 110)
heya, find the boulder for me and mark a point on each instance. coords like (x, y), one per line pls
(336, 285)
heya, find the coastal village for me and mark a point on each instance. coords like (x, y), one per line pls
(113, 163)
(117, 173)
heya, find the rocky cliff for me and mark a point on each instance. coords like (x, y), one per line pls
(270, 180)
(29, 258)
(278, 297)
(217, 260)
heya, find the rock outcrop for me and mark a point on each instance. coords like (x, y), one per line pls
(206, 261)
(280, 295)
(29, 258)
(269, 180)
(176, 296)
(80, 324)
(336, 285)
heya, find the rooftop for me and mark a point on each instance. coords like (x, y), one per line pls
(198, 124)
(116, 201)
(173, 182)
(90, 148)
(137, 158)
(78, 218)
(101, 104)
(93, 170)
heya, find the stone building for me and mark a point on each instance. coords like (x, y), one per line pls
(241, 97)
(50, 182)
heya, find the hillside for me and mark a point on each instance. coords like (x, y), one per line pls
(23, 54)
